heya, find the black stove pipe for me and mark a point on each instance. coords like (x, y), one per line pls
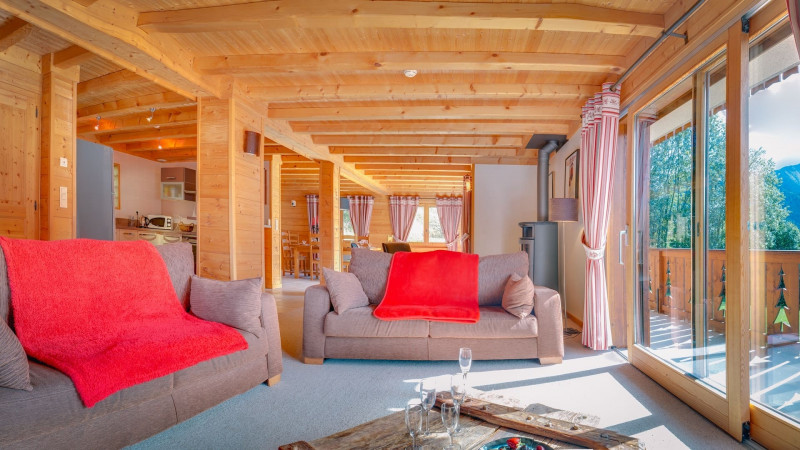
(543, 174)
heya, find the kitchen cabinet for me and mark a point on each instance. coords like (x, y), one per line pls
(127, 235)
(155, 237)
(178, 183)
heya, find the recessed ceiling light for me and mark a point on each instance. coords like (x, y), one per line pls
(410, 73)
(156, 126)
(161, 160)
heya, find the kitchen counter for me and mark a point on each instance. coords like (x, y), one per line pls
(176, 231)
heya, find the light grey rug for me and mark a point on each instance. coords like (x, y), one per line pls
(314, 401)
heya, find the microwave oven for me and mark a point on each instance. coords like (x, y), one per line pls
(158, 222)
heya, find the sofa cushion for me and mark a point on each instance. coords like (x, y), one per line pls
(234, 303)
(372, 269)
(359, 322)
(257, 347)
(54, 403)
(13, 361)
(518, 295)
(493, 272)
(495, 323)
(180, 264)
(345, 289)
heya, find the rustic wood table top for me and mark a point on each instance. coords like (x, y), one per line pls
(481, 422)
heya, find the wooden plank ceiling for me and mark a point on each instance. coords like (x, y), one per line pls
(330, 76)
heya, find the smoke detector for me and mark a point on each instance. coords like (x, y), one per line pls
(410, 73)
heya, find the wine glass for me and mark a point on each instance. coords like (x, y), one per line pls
(450, 422)
(465, 360)
(414, 421)
(427, 394)
(458, 390)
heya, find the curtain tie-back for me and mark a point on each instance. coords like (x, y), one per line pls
(593, 253)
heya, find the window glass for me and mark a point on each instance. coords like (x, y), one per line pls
(417, 233)
(347, 224)
(435, 233)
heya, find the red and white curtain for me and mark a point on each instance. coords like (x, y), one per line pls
(599, 146)
(361, 213)
(312, 204)
(449, 210)
(467, 215)
(401, 213)
(794, 19)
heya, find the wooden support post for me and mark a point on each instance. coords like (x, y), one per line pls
(57, 216)
(330, 229)
(737, 242)
(273, 246)
(230, 186)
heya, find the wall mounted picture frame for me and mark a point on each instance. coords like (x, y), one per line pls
(571, 168)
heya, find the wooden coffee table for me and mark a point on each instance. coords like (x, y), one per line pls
(481, 422)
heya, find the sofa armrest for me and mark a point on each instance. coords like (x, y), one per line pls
(269, 321)
(317, 305)
(547, 308)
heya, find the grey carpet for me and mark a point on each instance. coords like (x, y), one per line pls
(314, 401)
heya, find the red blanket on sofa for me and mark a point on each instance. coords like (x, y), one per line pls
(105, 314)
(439, 285)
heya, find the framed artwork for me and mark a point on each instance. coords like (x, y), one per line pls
(552, 180)
(116, 186)
(571, 175)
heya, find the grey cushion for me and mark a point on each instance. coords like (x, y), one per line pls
(234, 303)
(345, 289)
(372, 269)
(5, 293)
(493, 272)
(518, 295)
(360, 322)
(495, 323)
(13, 361)
(180, 264)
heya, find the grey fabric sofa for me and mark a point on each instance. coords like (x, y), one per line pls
(357, 334)
(53, 416)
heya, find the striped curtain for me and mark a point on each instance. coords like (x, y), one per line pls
(599, 139)
(449, 210)
(794, 19)
(361, 213)
(312, 204)
(467, 215)
(401, 213)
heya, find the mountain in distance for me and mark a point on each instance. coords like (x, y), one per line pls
(790, 175)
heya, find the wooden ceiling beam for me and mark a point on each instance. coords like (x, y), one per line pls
(109, 82)
(296, 158)
(431, 127)
(133, 105)
(108, 29)
(367, 167)
(166, 144)
(73, 55)
(378, 172)
(419, 141)
(443, 111)
(423, 151)
(124, 137)
(445, 176)
(403, 15)
(168, 156)
(278, 151)
(391, 160)
(13, 31)
(398, 61)
(139, 122)
(421, 91)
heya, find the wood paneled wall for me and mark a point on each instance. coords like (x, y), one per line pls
(229, 193)
(59, 96)
(273, 271)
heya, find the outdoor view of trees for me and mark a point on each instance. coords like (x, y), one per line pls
(671, 163)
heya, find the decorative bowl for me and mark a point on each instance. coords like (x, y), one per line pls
(186, 227)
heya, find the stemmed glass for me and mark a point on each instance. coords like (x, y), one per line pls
(414, 421)
(458, 390)
(465, 360)
(427, 394)
(450, 422)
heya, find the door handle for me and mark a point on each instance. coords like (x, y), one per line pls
(622, 233)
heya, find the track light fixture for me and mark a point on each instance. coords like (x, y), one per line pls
(97, 125)
(152, 113)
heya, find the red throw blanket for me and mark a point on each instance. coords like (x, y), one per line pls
(439, 285)
(105, 313)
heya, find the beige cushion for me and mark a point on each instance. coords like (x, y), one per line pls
(345, 289)
(372, 269)
(234, 303)
(493, 272)
(518, 295)
(495, 323)
(14, 370)
(360, 322)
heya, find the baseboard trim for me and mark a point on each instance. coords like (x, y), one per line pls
(575, 319)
